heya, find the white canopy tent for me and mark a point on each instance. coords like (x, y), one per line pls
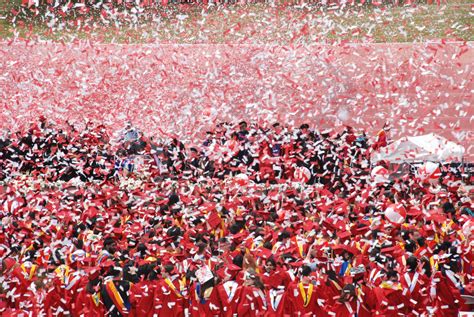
(429, 147)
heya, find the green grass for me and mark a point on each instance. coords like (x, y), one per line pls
(254, 23)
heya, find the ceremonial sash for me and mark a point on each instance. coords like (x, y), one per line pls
(124, 219)
(461, 235)
(32, 270)
(171, 285)
(275, 247)
(96, 299)
(300, 247)
(374, 274)
(344, 268)
(62, 272)
(275, 299)
(122, 306)
(230, 289)
(201, 299)
(393, 286)
(411, 283)
(306, 296)
(336, 285)
(26, 250)
(350, 310)
(262, 296)
(102, 257)
(69, 284)
(454, 280)
(433, 264)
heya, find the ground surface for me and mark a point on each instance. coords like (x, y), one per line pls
(251, 24)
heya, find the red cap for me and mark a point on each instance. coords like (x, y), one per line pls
(264, 253)
(437, 217)
(393, 250)
(214, 220)
(94, 273)
(342, 247)
(232, 270)
(343, 234)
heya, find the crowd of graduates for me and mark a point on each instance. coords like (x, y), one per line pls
(256, 220)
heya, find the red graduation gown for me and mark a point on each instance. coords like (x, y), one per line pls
(278, 304)
(253, 302)
(304, 300)
(230, 297)
(210, 306)
(89, 305)
(367, 300)
(329, 290)
(55, 303)
(416, 287)
(23, 296)
(348, 309)
(391, 302)
(447, 298)
(142, 298)
(275, 279)
(173, 302)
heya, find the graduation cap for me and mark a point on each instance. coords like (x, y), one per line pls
(342, 247)
(93, 273)
(239, 237)
(343, 234)
(357, 270)
(296, 264)
(232, 270)
(329, 225)
(214, 220)
(414, 212)
(204, 274)
(437, 217)
(360, 230)
(264, 252)
(394, 251)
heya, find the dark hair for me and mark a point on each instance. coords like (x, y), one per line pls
(173, 199)
(257, 282)
(348, 288)
(410, 246)
(113, 271)
(169, 268)
(391, 273)
(421, 241)
(449, 208)
(305, 270)
(108, 241)
(284, 235)
(142, 249)
(238, 260)
(268, 245)
(412, 263)
(375, 233)
(234, 228)
(128, 274)
(154, 273)
(426, 266)
(271, 261)
(144, 271)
